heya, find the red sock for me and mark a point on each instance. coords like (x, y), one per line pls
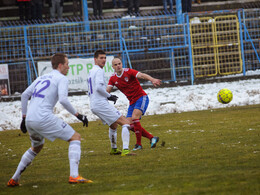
(146, 134)
(138, 131)
(132, 127)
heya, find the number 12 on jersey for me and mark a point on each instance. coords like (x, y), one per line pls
(38, 91)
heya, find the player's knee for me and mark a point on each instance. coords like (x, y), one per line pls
(113, 126)
(37, 149)
(126, 121)
(136, 114)
(123, 121)
(76, 136)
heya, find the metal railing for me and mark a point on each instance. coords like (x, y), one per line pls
(156, 45)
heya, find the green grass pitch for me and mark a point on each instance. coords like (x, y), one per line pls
(205, 152)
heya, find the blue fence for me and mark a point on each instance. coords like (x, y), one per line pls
(156, 45)
(251, 34)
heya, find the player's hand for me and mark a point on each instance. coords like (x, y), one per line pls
(84, 119)
(156, 82)
(22, 126)
(113, 98)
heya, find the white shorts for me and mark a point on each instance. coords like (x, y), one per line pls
(107, 113)
(51, 129)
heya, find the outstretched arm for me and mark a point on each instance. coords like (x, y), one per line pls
(155, 82)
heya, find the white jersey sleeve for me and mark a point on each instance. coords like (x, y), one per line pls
(97, 87)
(100, 84)
(63, 95)
(26, 96)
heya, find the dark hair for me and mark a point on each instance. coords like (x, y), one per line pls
(58, 58)
(99, 52)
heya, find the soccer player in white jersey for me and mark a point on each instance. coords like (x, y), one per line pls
(103, 109)
(41, 123)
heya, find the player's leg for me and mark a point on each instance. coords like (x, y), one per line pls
(25, 161)
(137, 125)
(37, 142)
(137, 128)
(113, 140)
(144, 132)
(133, 126)
(125, 132)
(129, 118)
(125, 135)
(153, 139)
(74, 158)
(109, 115)
(140, 108)
(57, 128)
(74, 154)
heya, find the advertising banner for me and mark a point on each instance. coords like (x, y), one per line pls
(78, 72)
(4, 80)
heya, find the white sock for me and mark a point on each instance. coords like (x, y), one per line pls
(74, 157)
(113, 137)
(26, 160)
(125, 136)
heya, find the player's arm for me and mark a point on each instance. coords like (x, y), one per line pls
(155, 82)
(63, 96)
(26, 96)
(100, 84)
(101, 89)
(24, 100)
(103, 92)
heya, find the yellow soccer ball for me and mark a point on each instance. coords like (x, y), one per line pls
(225, 96)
